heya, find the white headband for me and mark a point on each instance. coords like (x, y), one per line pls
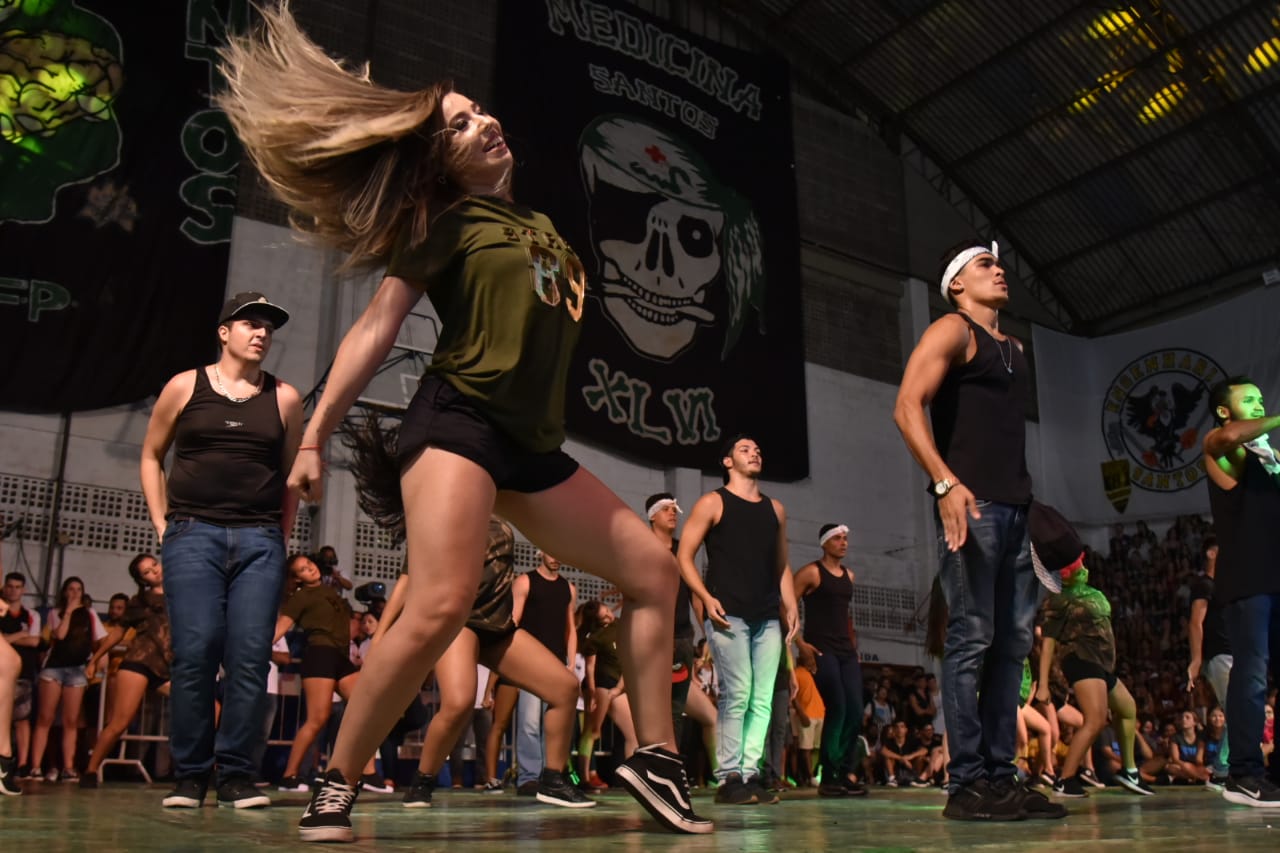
(835, 531)
(661, 505)
(958, 262)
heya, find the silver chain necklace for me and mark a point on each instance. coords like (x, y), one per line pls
(1007, 362)
(222, 389)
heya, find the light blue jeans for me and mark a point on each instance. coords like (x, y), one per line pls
(746, 658)
(529, 748)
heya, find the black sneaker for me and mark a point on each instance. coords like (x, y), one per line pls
(23, 772)
(656, 778)
(1256, 791)
(419, 794)
(89, 780)
(852, 788)
(188, 793)
(977, 801)
(1131, 780)
(832, 789)
(763, 794)
(527, 789)
(239, 792)
(493, 786)
(734, 792)
(1091, 779)
(1071, 787)
(9, 786)
(293, 783)
(557, 789)
(1033, 804)
(375, 784)
(328, 815)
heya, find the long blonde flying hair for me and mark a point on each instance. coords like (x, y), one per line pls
(353, 160)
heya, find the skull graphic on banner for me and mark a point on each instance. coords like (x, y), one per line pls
(666, 232)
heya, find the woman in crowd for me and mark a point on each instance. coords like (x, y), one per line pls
(421, 181)
(604, 687)
(146, 661)
(74, 629)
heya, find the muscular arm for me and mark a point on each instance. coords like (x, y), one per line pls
(786, 579)
(705, 513)
(362, 350)
(155, 445)
(570, 634)
(519, 595)
(290, 405)
(1195, 639)
(1230, 436)
(942, 345)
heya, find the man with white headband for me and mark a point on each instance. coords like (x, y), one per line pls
(826, 588)
(748, 586)
(664, 513)
(975, 381)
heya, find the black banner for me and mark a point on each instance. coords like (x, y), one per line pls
(119, 182)
(666, 161)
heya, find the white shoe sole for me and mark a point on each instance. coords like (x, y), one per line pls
(658, 807)
(245, 803)
(1133, 787)
(341, 834)
(181, 803)
(564, 804)
(416, 804)
(1246, 800)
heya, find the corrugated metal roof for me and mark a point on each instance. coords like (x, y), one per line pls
(1129, 151)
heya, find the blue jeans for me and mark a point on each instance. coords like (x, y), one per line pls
(746, 658)
(839, 682)
(992, 594)
(529, 749)
(1253, 626)
(222, 587)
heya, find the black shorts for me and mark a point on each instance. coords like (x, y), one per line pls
(441, 416)
(606, 682)
(1076, 669)
(154, 682)
(326, 662)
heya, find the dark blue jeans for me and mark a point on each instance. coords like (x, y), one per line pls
(1253, 626)
(992, 594)
(222, 587)
(839, 682)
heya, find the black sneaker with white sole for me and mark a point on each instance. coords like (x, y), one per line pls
(239, 792)
(763, 794)
(419, 794)
(1256, 791)
(979, 801)
(9, 786)
(328, 815)
(188, 793)
(1091, 779)
(1033, 804)
(656, 778)
(557, 789)
(1071, 787)
(1131, 780)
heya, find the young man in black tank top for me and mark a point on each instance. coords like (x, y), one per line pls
(748, 584)
(975, 381)
(544, 602)
(1244, 494)
(222, 517)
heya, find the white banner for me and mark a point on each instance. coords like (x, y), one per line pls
(1123, 418)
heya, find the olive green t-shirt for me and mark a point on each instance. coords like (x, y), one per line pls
(509, 292)
(321, 612)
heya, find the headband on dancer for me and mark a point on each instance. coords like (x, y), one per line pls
(659, 506)
(958, 263)
(835, 530)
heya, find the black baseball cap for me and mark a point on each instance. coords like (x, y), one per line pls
(252, 303)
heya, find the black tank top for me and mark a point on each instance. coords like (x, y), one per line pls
(826, 614)
(75, 648)
(742, 557)
(979, 420)
(684, 620)
(1247, 521)
(227, 466)
(545, 611)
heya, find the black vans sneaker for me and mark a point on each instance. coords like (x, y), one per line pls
(1070, 786)
(9, 786)
(419, 794)
(1256, 791)
(657, 779)
(241, 793)
(977, 801)
(328, 815)
(557, 789)
(187, 794)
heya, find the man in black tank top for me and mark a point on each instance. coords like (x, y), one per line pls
(222, 517)
(1244, 494)
(748, 585)
(663, 512)
(975, 381)
(543, 606)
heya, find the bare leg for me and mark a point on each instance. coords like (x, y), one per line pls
(620, 713)
(72, 698)
(591, 731)
(49, 694)
(586, 525)
(126, 697)
(1125, 715)
(318, 693)
(529, 665)
(456, 677)
(447, 501)
(504, 705)
(10, 666)
(1091, 693)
